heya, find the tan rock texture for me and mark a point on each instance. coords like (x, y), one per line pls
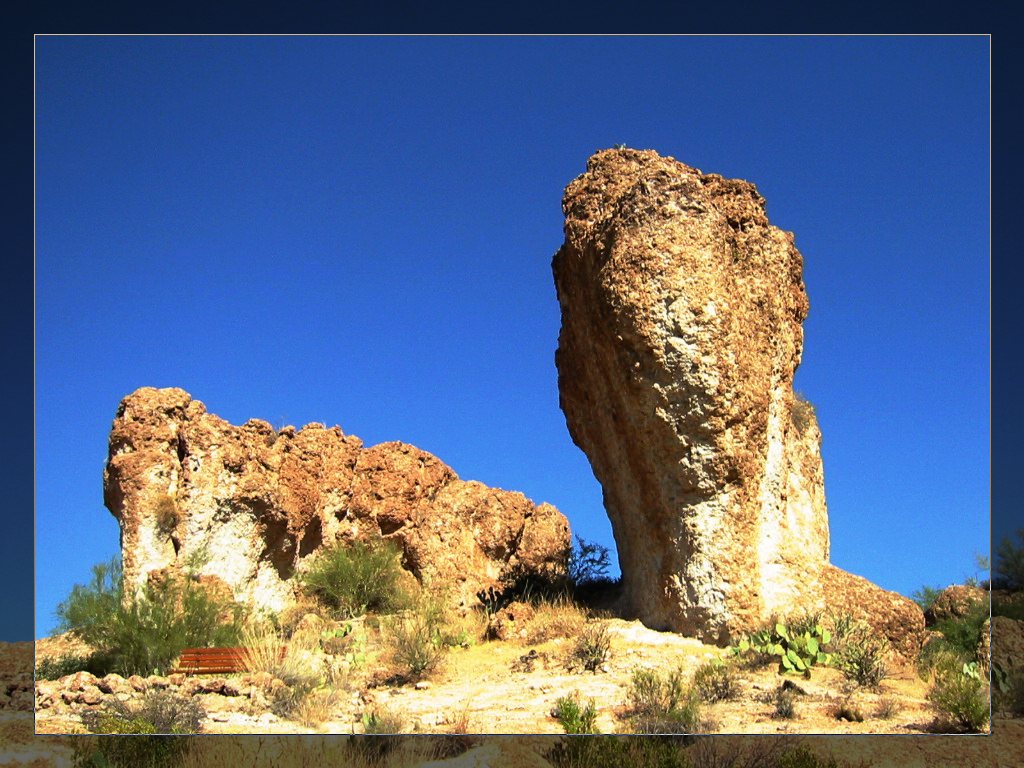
(251, 505)
(953, 602)
(682, 311)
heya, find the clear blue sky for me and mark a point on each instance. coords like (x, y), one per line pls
(359, 231)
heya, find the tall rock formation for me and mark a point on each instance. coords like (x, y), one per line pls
(682, 311)
(250, 505)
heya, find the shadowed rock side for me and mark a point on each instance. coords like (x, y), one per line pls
(682, 311)
(254, 504)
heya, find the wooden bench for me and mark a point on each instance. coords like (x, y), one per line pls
(210, 661)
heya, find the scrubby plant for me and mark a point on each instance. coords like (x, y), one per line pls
(54, 668)
(861, 656)
(159, 712)
(803, 413)
(592, 648)
(294, 662)
(351, 579)
(956, 697)
(887, 707)
(556, 618)
(802, 757)
(574, 717)
(615, 752)
(419, 640)
(588, 563)
(849, 710)
(661, 703)
(716, 681)
(143, 633)
(1009, 563)
(165, 511)
(783, 700)
(926, 596)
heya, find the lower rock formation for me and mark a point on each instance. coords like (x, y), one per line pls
(249, 505)
(682, 311)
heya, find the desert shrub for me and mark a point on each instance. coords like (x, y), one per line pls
(588, 563)
(159, 712)
(146, 632)
(316, 707)
(937, 655)
(592, 649)
(1009, 563)
(963, 633)
(381, 740)
(351, 579)
(861, 656)
(925, 597)
(887, 707)
(802, 757)
(715, 681)
(662, 703)
(783, 701)
(615, 752)
(573, 717)
(557, 618)
(803, 413)
(54, 668)
(417, 640)
(849, 710)
(1008, 690)
(165, 511)
(956, 697)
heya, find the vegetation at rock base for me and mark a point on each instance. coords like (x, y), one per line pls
(159, 712)
(351, 579)
(716, 681)
(592, 649)
(861, 655)
(1009, 563)
(662, 703)
(957, 696)
(143, 634)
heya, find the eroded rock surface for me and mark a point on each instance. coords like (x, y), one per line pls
(250, 505)
(682, 311)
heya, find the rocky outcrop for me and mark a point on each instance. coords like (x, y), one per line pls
(247, 506)
(682, 311)
(953, 602)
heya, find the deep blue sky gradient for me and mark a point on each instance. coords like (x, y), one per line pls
(359, 231)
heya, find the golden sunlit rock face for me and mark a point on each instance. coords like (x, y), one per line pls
(682, 311)
(251, 505)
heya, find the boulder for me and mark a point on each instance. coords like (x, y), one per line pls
(682, 311)
(247, 507)
(953, 602)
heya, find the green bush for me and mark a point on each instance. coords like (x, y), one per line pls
(418, 640)
(574, 718)
(588, 562)
(861, 656)
(963, 633)
(69, 664)
(159, 712)
(355, 578)
(926, 596)
(715, 681)
(662, 703)
(615, 752)
(1009, 565)
(956, 697)
(145, 633)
